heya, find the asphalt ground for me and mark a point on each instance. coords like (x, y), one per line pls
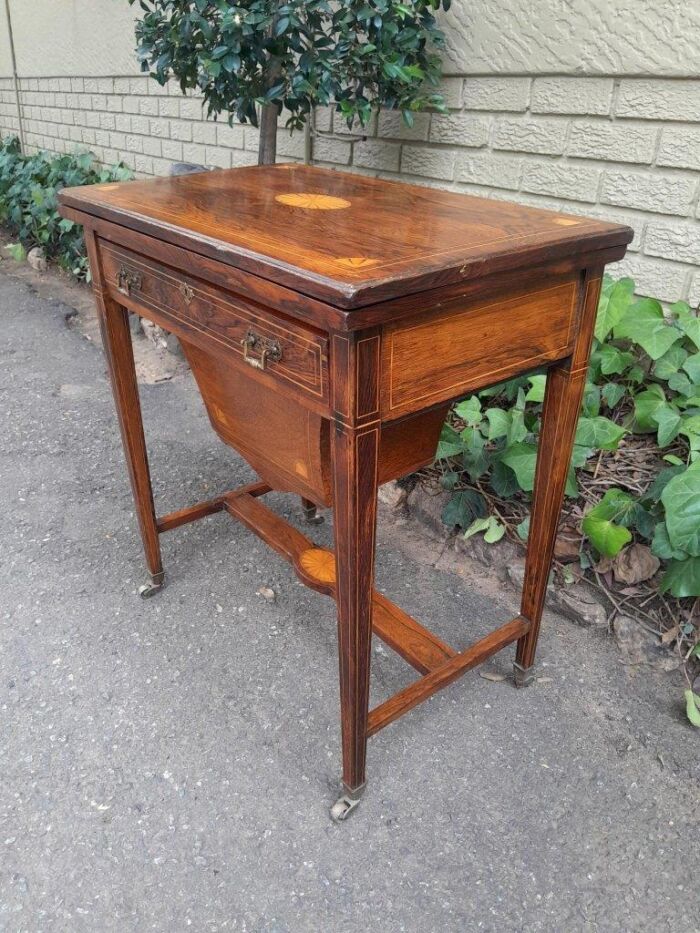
(169, 764)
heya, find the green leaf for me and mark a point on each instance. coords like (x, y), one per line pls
(492, 528)
(494, 532)
(503, 480)
(646, 404)
(645, 324)
(479, 524)
(523, 529)
(463, 508)
(450, 443)
(612, 393)
(537, 386)
(681, 500)
(499, 423)
(692, 366)
(600, 433)
(687, 321)
(600, 523)
(682, 578)
(661, 545)
(522, 458)
(692, 707)
(670, 362)
(613, 360)
(469, 410)
(613, 306)
(668, 419)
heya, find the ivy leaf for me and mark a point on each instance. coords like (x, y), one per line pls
(668, 419)
(463, 508)
(499, 423)
(692, 366)
(670, 362)
(682, 578)
(601, 523)
(646, 404)
(661, 480)
(450, 443)
(492, 528)
(503, 480)
(469, 410)
(522, 458)
(661, 545)
(537, 386)
(692, 707)
(600, 433)
(644, 323)
(681, 500)
(687, 321)
(612, 393)
(523, 529)
(613, 306)
(613, 360)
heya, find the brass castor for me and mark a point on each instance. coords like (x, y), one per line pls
(523, 676)
(346, 804)
(150, 589)
(310, 512)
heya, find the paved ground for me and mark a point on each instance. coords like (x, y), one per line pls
(168, 765)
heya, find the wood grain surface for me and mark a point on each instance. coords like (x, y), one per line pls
(392, 239)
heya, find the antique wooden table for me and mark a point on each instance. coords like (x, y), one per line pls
(329, 320)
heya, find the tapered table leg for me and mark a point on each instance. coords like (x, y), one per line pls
(116, 338)
(562, 403)
(354, 452)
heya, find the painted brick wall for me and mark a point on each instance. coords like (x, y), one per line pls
(603, 143)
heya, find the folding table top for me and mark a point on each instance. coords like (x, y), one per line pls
(347, 239)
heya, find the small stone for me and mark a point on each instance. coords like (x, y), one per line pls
(267, 593)
(393, 495)
(493, 676)
(37, 259)
(639, 646)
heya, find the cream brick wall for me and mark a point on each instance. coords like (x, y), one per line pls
(593, 111)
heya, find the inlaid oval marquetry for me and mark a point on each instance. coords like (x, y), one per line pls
(313, 202)
(318, 564)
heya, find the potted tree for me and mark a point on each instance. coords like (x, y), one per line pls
(252, 58)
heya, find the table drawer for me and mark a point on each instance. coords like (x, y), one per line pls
(265, 344)
(467, 344)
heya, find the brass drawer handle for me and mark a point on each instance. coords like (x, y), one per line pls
(269, 350)
(128, 280)
(187, 292)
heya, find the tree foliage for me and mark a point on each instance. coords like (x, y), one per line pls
(355, 56)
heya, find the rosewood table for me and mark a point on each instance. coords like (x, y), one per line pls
(330, 319)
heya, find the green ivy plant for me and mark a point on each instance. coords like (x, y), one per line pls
(29, 185)
(355, 56)
(644, 378)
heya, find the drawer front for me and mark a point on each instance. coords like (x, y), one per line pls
(460, 347)
(263, 343)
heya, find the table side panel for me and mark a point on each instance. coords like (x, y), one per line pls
(462, 346)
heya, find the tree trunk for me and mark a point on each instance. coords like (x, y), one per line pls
(267, 147)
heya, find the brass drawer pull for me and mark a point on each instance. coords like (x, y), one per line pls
(128, 280)
(187, 292)
(270, 350)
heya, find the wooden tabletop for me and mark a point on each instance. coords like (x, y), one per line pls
(348, 239)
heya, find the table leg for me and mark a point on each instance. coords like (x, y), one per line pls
(559, 418)
(116, 339)
(355, 434)
(354, 500)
